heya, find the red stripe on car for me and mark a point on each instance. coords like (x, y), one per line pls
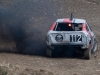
(84, 29)
(53, 26)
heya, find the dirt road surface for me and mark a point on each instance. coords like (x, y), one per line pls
(39, 15)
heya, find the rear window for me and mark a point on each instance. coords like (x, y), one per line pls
(68, 27)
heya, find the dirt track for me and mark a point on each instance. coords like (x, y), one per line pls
(46, 12)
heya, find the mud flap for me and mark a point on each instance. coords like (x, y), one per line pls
(49, 52)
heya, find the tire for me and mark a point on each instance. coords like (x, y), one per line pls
(95, 47)
(87, 53)
(49, 52)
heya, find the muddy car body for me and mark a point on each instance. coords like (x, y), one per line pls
(71, 32)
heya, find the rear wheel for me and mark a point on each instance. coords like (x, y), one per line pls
(95, 46)
(87, 53)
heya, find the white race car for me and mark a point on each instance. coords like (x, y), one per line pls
(71, 32)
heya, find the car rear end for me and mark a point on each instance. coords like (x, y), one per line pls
(69, 38)
(67, 34)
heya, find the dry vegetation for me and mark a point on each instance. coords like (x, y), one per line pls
(9, 69)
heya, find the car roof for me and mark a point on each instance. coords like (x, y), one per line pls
(74, 20)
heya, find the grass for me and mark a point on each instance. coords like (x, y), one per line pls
(7, 69)
(3, 69)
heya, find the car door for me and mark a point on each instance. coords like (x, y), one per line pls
(90, 30)
(91, 33)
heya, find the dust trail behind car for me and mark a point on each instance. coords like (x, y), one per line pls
(23, 25)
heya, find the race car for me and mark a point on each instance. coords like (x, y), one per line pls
(71, 32)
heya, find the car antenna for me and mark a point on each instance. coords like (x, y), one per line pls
(71, 16)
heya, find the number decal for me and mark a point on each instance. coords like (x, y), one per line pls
(75, 38)
(80, 38)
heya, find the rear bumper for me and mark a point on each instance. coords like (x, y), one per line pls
(78, 45)
(64, 48)
(67, 45)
